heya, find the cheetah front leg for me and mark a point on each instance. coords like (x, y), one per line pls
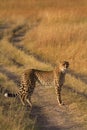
(58, 92)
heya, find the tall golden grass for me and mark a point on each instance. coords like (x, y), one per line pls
(58, 31)
(64, 34)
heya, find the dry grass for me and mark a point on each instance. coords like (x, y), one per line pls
(57, 30)
(76, 91)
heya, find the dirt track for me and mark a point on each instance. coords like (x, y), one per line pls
(50, 116)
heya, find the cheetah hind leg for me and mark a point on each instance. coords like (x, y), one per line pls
(22, 97)
(29, 102)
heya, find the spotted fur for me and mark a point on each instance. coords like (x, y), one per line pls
(29, 78)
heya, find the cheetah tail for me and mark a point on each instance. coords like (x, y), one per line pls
(10, 94)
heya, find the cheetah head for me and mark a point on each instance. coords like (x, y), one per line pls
(63, 66)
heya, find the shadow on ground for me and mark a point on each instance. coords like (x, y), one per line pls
(41, 119)
(4, 29)
(9, 74)
(75, 91)
(82, 77)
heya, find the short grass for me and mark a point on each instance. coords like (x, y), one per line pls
(56, 30)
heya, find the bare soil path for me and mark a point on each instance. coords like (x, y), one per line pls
(50, 116)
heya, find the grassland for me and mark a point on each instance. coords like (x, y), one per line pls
(39, 34)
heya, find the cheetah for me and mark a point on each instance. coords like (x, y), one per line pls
(56, 77)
